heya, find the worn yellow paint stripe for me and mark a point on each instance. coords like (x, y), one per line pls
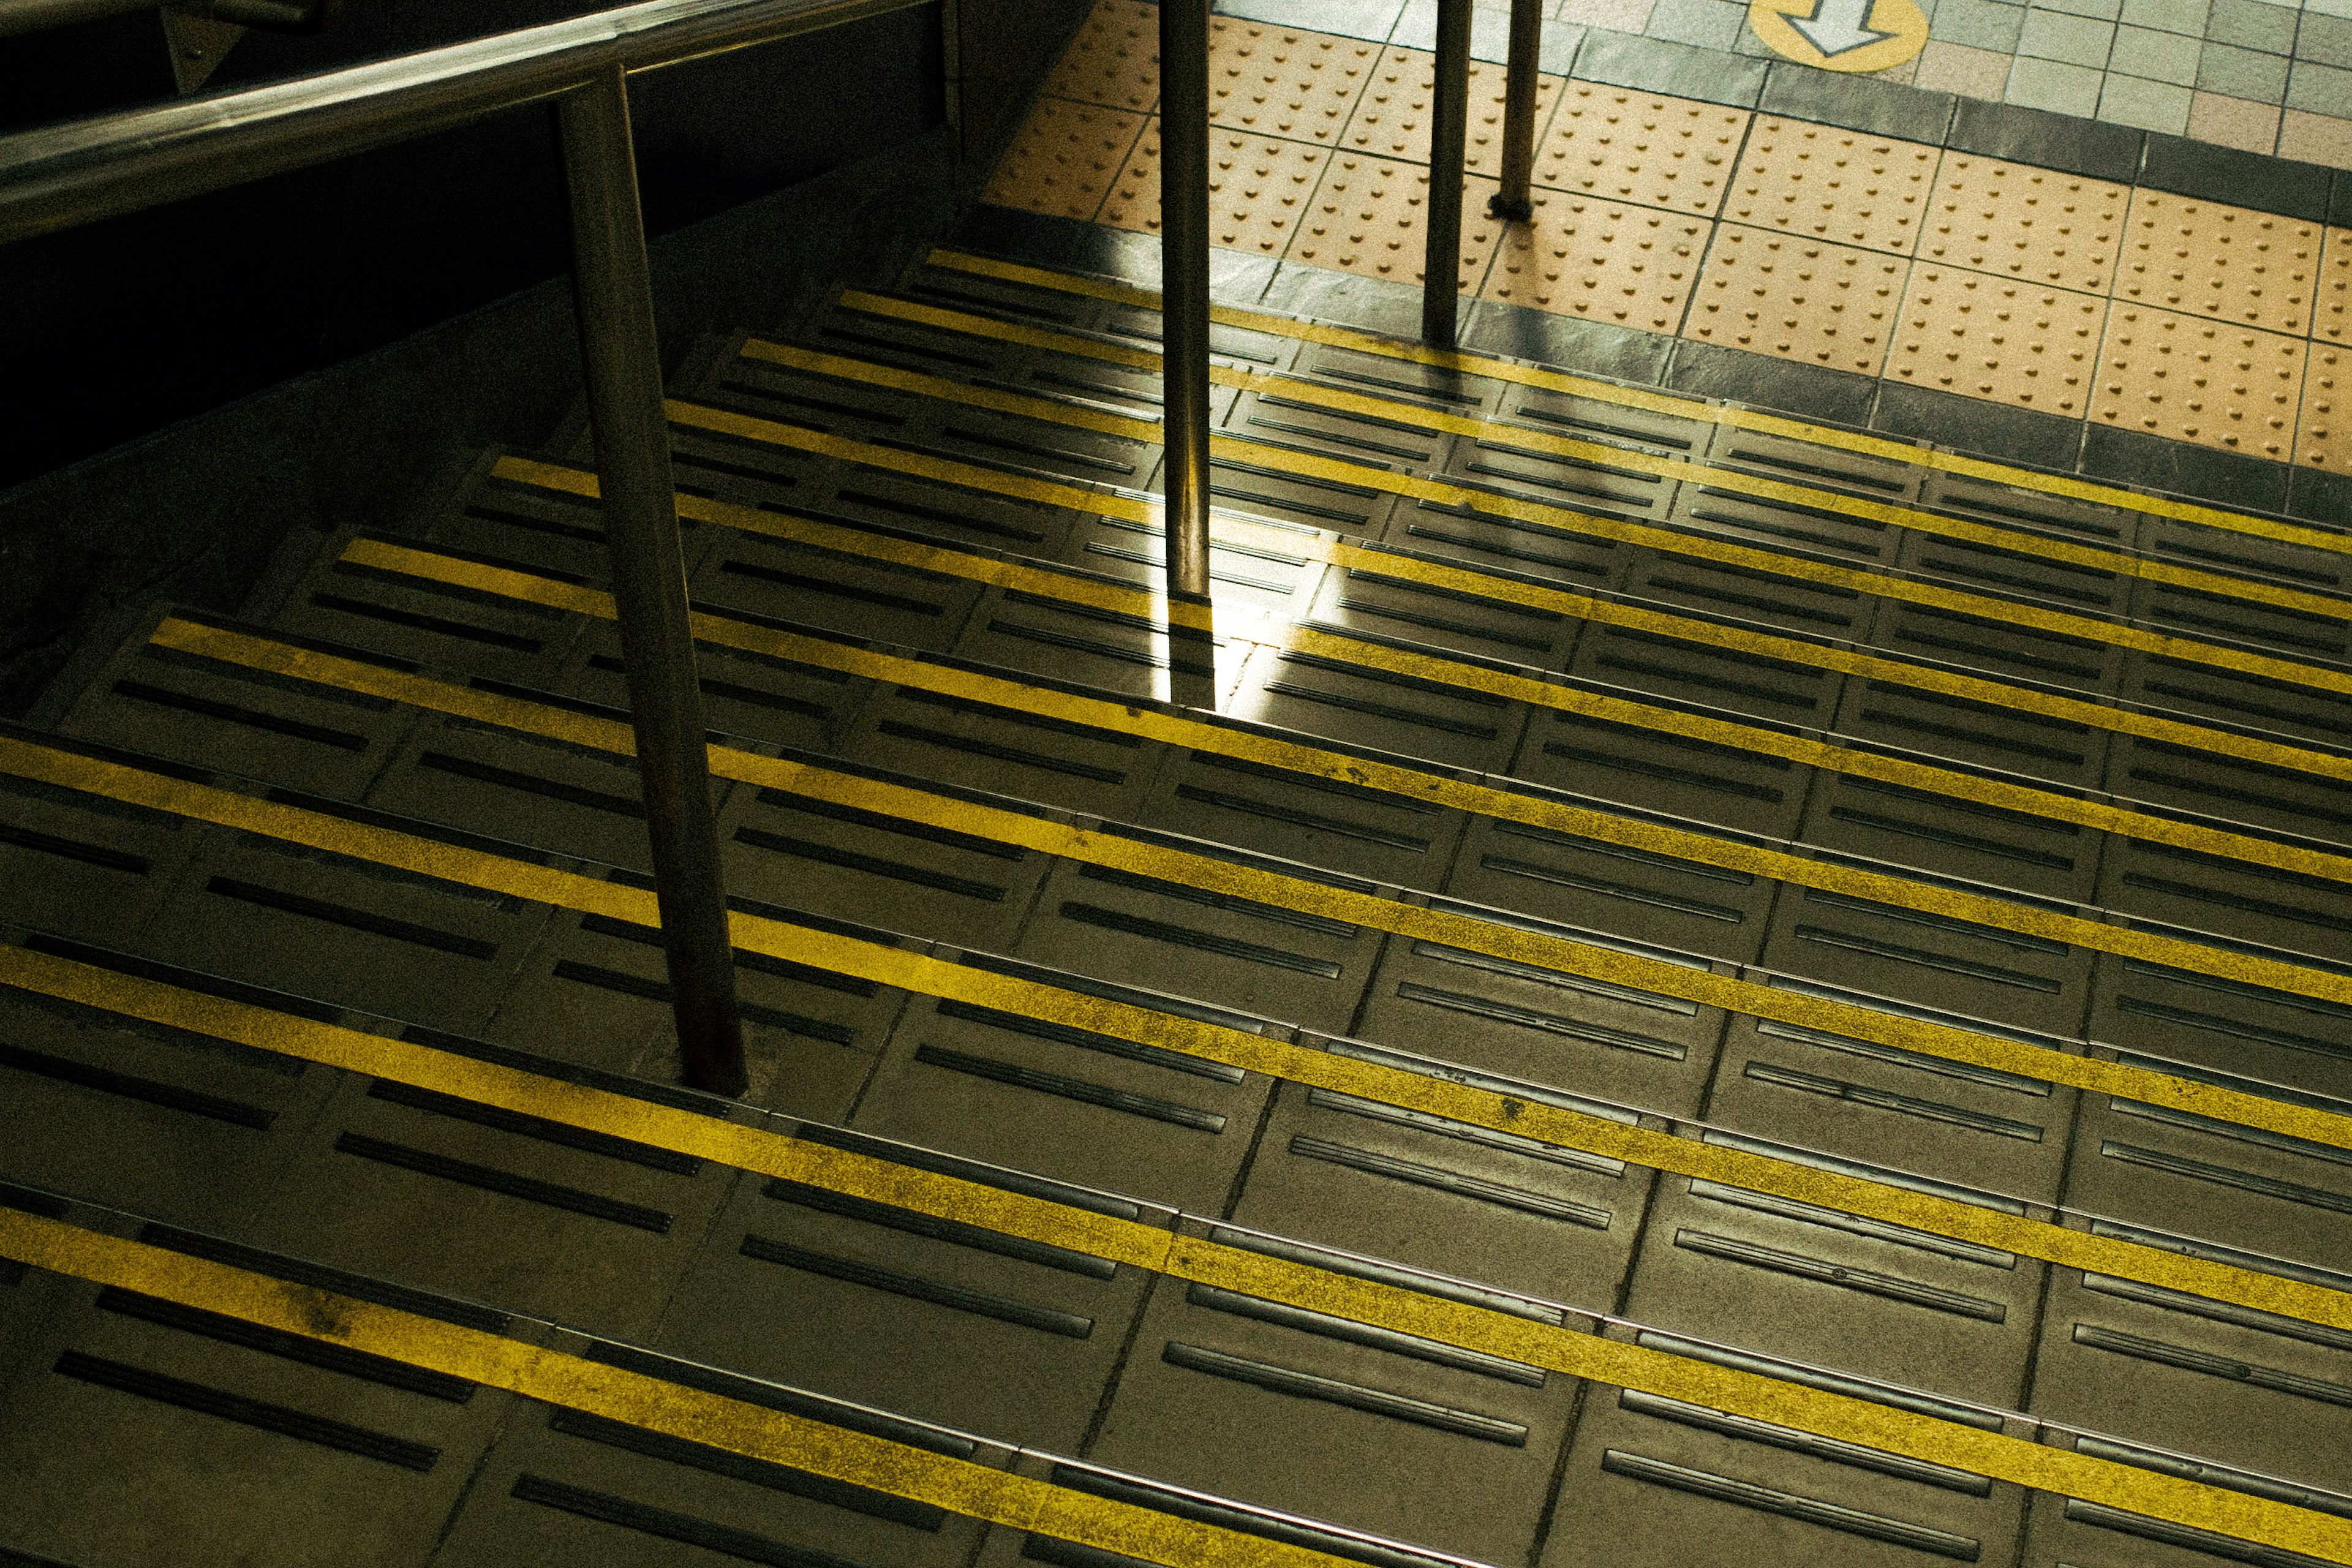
(1762, 487)
(1603, 612)
(575, 1383)
(808, 1445)
(1726, 552)
(1755, 420)
(1409, 783)
(1444, 927)
(1425, 665)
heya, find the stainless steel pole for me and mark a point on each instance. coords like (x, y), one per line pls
(614, 290)
(1185, 288)
(1516, 200)
(1449, 127)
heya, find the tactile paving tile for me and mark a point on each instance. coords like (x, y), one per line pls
(1833, 185)
(2037, 226)
(2321, 440)
(2196, 380)
(2231, 263)
(1392, 119)
(1368, 220)
(1629, 266)
(1797, 298)
(1994, 337)
(2331, 314)
(1259, 189)
(1114, 60)
(1279, 81)
(1638, 147)
(1063, 159)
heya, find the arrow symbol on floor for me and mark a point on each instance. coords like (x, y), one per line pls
(1837, 25)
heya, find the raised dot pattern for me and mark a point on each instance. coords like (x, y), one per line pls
(2034, 225)
(1633, 147)
(1798, 299)
(2195, 379)
(2230, 263)
(1831, 185)
(1629, 266)
(1994, 338)
(1297, 84)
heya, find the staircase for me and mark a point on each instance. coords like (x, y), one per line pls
(1656, 984)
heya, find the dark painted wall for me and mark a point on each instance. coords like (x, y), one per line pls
(119, 329)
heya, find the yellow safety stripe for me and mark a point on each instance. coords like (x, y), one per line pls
(1725, 551)
(1442, 927)
(1762, 424)
(574, 1382)
(1409, 783)
(1976, 689)
(1762, 487)
(499, 1363)
(1046, 581)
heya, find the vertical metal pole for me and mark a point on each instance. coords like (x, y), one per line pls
(614, 290)
(1515, 200)
(1449, 129)
(1184, 287)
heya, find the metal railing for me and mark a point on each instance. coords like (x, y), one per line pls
(59, 177)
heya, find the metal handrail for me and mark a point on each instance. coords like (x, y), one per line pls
(60, 176)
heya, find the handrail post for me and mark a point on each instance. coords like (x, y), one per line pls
(1516, 200)
(613, 288)
(1184, 289)
(1449, 133)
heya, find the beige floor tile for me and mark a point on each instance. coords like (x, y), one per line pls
(2195, 379)
(2324, 436)
(1957, 68)
(1280, 82)
(1064, 158)
(1114, 60)
(1617, 15)
(1392, 120)
(2316, 138)
(2033, 224)
(1604, 261)
(2331, 310)
(1998, 338)
(1260, 188)
(1626, 146)
(1798, 299)
(2230, 263)
(1369, 219)
(1837, 185)
(2238, 123)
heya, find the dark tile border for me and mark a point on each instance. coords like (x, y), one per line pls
(2091, 148)
(1857, 103)
(2318, 497)
(1595, 348)
(2156, 463)
(1677, 70)
(1809, 391)
(2339, 210)
(2023, 435)
(2212, 173)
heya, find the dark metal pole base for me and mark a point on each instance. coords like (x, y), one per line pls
(1510, 212)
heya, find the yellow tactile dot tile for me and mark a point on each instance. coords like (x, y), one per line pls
(1628, 146)
(1114, 60)
(1798, 299)
(1392, 120)
(2324, 438)
(1998, 338)
(1600, 260)
(1370, 216)
(1064, 158)
(2228, 262)
(1260, 188)
(2195, 379)
(1838, 185)
(2035, 224)
(1279, 81)
(2331, 314)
